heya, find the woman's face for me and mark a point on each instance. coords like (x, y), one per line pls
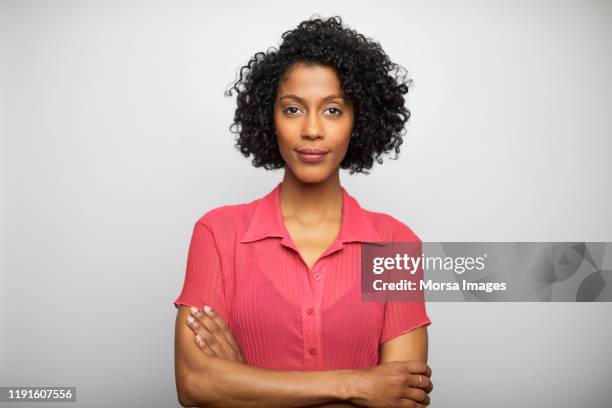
(314, 121)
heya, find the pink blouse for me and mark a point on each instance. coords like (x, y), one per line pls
(284, 315)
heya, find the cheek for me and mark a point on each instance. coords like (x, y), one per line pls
(284, 130)
(284, 147)
(345, 128)
(342, 149)
(344, 137)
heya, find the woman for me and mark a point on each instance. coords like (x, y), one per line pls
(278, 278)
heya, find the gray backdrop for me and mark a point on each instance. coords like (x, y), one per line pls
(115, 141)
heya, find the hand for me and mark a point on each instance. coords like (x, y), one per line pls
(212, 334)
(395, 384)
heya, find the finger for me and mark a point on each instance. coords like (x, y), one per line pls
(415, 394)
(198, 331)
(416, 367)
(217, 347)
(202, 345)
(217, 332)
(202, 326)
(224, 333)
(224, 328)
(408, 403)
(430, 388)
(420, 381)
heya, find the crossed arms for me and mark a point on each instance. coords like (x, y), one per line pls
(210, 372)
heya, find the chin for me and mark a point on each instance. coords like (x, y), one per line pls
(312, 175)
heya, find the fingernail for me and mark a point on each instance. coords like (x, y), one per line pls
(194, 309)
(207, 309)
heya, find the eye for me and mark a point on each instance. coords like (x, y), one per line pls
(335, 111)
(292, 110)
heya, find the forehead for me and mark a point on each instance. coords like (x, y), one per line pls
(311, 80)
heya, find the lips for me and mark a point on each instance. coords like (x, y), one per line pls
(310, 155)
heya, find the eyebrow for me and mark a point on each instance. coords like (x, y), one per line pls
(327, 98)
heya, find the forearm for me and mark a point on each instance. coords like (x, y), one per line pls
(224, 383)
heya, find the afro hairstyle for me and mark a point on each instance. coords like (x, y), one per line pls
(374, 85)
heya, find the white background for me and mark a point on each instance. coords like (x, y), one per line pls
(115, 141)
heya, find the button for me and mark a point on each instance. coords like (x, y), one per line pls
(310, 311)
(317, 276)
(312, 351)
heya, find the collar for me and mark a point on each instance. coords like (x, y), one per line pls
(267, 222)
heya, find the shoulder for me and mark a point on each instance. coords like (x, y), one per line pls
(390, 228)
(229, 217)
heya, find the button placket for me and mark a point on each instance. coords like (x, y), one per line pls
(312, 344)
(312, 318)
(316, 275)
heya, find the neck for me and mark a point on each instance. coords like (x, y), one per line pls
(311, 202)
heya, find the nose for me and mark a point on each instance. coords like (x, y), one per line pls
(312, 129)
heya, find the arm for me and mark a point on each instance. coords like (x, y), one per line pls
(412, 345)
(404, 336)
(204, 380)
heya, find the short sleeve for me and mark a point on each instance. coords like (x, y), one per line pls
(203, 283)
(402, 317)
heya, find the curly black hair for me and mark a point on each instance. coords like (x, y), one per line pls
(375, 85)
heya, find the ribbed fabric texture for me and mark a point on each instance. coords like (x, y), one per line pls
(285, 316)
